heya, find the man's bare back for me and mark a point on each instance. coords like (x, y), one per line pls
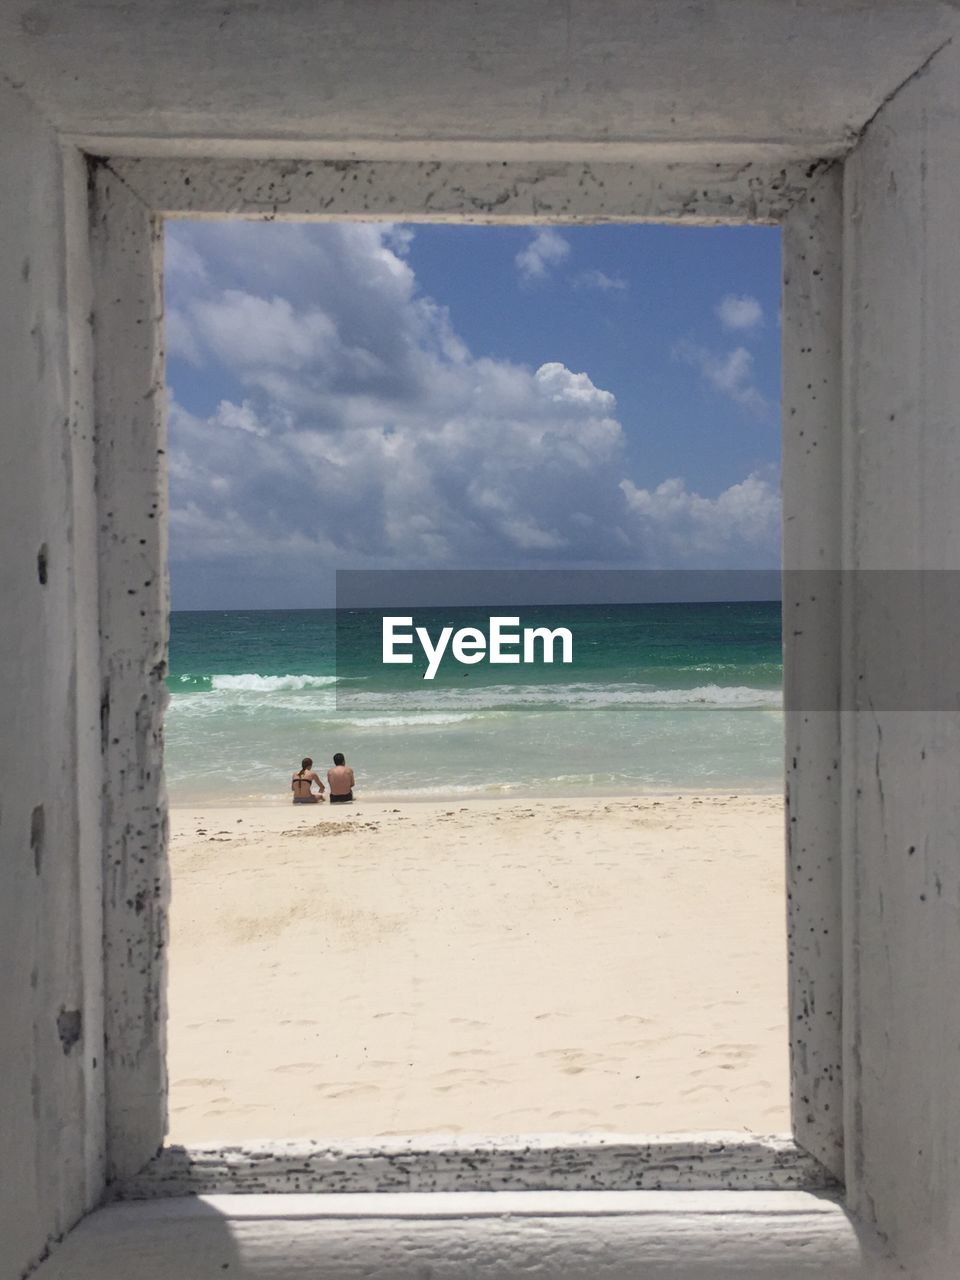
(341, 780)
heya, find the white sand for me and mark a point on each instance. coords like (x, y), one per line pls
(485, 967)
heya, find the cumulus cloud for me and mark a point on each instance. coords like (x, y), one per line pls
(731, 374)
(563, 387)
(740, 525)
(239, 417)
(598, 280)
(546, 250)
(354, 428)
(252, 332)
(740, 312)
(365, 430)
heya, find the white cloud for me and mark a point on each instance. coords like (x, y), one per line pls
(545, 251)
(740, 313)
(181, 261)
(740, 525)
(561, 386)
(239, 417)
(249, 331)
(368, 427)
(598, 280)
(178, 337)
(356, 428)
(398, 237)
(731, 374)
(527, 535)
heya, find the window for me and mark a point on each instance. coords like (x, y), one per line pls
(872, 464)
(550, 939)
(132, 196)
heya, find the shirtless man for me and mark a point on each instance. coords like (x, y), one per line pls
(302, 784)
(340, 778)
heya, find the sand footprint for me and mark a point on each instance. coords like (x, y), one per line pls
(349, 1090)
(579, 1057)
(238, 1110)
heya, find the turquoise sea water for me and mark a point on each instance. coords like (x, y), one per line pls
(658, 698)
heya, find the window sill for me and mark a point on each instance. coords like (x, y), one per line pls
(560, 1162)
(604, 1235)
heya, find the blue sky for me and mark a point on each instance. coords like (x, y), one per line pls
(371, 396)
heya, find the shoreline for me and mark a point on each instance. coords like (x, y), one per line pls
(179, 802)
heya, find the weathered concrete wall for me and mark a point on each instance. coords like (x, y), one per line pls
(504, 79)
(534, 1162)
(587, 1235)
(133, 604)
(521, 83)
(902, 766)
(812, 552)
(750, 188)
(50, 1104)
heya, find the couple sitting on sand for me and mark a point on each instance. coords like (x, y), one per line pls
(340, 778)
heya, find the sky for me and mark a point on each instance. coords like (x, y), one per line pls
(382, 396)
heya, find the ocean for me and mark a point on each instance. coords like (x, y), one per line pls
(659, 698)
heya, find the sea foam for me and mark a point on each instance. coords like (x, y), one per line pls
(250, 683)
(507, 697)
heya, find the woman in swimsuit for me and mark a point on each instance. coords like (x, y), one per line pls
(302, 784)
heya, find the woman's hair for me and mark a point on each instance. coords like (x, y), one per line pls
(306, 763)
(339, 758)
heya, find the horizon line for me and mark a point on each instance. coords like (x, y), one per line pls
(375, 608)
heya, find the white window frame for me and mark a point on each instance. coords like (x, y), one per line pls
(131, 198)
(615, 1208)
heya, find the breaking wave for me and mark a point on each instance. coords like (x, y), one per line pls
(249, 683)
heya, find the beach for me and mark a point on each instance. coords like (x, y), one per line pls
(478, 966)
